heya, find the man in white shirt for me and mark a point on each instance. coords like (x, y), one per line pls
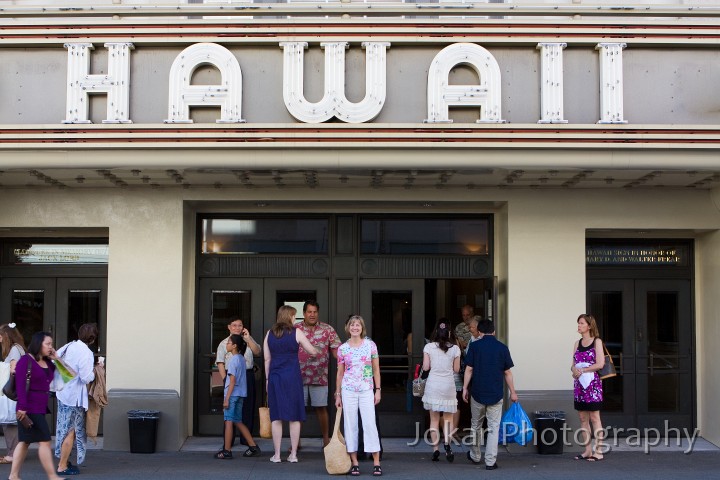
(237, 327)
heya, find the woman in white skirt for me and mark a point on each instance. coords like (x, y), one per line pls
(442, 358)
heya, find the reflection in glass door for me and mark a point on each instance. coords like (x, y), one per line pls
(57, 306)
(29, 303)
(79, 301)
(394, 311)
(295, 292)
(647, 327)
(255, 302)
(664, 339)
(221, 301)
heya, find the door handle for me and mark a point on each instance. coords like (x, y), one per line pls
(652, 363)
(639, 335)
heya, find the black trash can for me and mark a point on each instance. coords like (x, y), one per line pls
(549, 430)
(143, 430)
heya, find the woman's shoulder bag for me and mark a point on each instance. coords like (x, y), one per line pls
(10, 390)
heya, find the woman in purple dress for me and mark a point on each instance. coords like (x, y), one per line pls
(284, 382)
(588, 360)
(32, 400)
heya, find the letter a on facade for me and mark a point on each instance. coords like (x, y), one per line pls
(486, 95)
(227, 95)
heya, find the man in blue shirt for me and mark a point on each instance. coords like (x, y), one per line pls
(487, 365)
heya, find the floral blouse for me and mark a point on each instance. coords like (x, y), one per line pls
(358, 375)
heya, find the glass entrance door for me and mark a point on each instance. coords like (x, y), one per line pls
(647, 327)
(255, 302)
(220, 302)
(55, 305)
(394, 313)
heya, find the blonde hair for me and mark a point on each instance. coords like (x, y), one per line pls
(594, 331)
(358, 319)
(285, 320)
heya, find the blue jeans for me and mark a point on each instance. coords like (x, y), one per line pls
(234, 411)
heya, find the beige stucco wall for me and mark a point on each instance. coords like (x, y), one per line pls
(144, 274)
(708, 329)
(540, 257)
(546, 249)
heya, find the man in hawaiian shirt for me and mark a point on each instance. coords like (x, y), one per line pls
(462, 330)
(314, 368)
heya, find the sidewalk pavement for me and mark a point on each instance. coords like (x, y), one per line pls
(400, 461)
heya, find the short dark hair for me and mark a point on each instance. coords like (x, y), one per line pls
(88, 333)
(311, 303)
(36, 342)
(486, 326)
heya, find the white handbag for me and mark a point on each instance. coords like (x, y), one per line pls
(4, 375)
(7, 407)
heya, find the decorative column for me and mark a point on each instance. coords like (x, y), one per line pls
(551, 82)
(611, 82)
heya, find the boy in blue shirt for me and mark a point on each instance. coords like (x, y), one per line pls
(235, 393)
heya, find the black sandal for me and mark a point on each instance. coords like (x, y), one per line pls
(355, 470)
(436, 456)
(449, 455)
(377, 471)
(223, 455)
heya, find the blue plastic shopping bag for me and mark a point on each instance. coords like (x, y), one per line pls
(515, 426)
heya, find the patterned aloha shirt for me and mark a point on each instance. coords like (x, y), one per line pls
(358, 375)
(314, 368)
(462, 332)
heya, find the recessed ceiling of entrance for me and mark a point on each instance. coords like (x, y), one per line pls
(360, 179)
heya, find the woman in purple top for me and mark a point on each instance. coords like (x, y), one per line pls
(588, 359)
(32, 403)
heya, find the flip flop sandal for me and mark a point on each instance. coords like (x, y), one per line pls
(355, 470)
(580, 457)
(377, 471)
(593, 458)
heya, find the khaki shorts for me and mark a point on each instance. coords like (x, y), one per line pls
(315, 395)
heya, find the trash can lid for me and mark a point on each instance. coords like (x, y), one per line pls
(143, 414)
(554, 414)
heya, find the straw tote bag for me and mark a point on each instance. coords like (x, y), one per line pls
(265, 426)
(337, 459)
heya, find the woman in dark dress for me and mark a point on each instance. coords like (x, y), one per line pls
(32, 403)
(588, 360)
(284, 382)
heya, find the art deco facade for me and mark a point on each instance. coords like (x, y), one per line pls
(165, 166)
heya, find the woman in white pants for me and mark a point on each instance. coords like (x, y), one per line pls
(358, 390)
